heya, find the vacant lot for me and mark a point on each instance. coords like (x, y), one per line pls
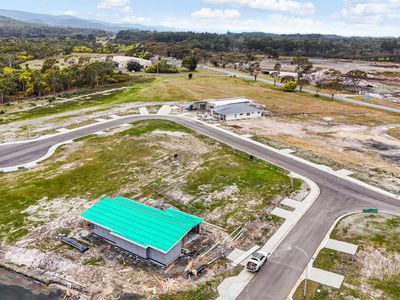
(206, 178)
(374, 272)
(179, 88)
(156, 162)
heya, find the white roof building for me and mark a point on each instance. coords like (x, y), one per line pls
(212, 103)
(236, 111)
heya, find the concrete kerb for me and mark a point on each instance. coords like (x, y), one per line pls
(323, 243)
(317, 166)
(32, 164)
(320, 167)
(59, 133)
(230, 288)
(321, 246)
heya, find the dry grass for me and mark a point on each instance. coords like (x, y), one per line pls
(298, 105)
(394, 132)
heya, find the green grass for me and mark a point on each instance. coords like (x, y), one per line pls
(141, 128)
(203, 292)
(93, 261)
(379, 232)
(104, 165)
(124, 96)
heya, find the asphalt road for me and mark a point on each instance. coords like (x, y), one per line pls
(338, 98)
(277, 278)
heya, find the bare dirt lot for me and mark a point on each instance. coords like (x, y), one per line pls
(367, 150)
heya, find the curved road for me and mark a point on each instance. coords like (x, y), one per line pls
(279, 275)
(338, 98)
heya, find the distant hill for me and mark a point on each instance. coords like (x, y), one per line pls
(74, 22)
(14, 28)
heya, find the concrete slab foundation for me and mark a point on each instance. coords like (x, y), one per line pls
(341, 246)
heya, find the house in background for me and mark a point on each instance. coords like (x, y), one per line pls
(236, 112)
(214, 103)
(142, 230)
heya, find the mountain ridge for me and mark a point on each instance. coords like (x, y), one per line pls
(75, 22)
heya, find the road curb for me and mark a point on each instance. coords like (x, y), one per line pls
(231, 287)
(323, 243)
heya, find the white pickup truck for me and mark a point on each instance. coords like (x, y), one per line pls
(256, 261)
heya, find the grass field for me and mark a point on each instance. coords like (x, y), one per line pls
(180, 88)
(374, 272)
(135, 164)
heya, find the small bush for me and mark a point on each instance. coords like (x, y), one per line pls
(2, 112)
(163, 67)
(290, 86)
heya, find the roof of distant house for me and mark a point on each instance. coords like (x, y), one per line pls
(222, 102)
(240, 108)
(141, 224)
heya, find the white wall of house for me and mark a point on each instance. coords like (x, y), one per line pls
(239, 116)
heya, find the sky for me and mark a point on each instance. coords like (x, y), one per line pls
(342, 17)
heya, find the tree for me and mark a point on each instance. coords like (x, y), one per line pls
(190, 63)
(319, 85)
(303, 66)
(333, 86)
(277, 73)
(48, 63)
(7, 86)
(290, 86)
(38, 85)
(333, 74)
(162, 67)
(97, 72)
(133, 66)
(275, 76)
(302, 82)
(355, 77)
(24, 78)
(52, 77)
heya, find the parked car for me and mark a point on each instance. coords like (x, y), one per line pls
(256, 261)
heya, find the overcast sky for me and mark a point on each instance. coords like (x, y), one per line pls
(343, 17)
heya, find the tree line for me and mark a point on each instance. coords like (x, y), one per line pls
(52, 79)
(274, 45)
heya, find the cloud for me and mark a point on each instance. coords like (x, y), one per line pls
(279, 19)
(124, 5)
(65, 13)
(136, 20)
(289, 6)
(207, 13)
(370, 11)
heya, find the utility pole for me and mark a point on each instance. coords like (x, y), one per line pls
(308, 261)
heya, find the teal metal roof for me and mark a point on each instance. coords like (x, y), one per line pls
(141, 224)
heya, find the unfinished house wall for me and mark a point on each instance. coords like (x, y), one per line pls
(104, 233)
(243, 116)
(166, 258)
(135, 249)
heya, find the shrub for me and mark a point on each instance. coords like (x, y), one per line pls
(133, 66)
(290, 86)
(163, 67)
(190, 63)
